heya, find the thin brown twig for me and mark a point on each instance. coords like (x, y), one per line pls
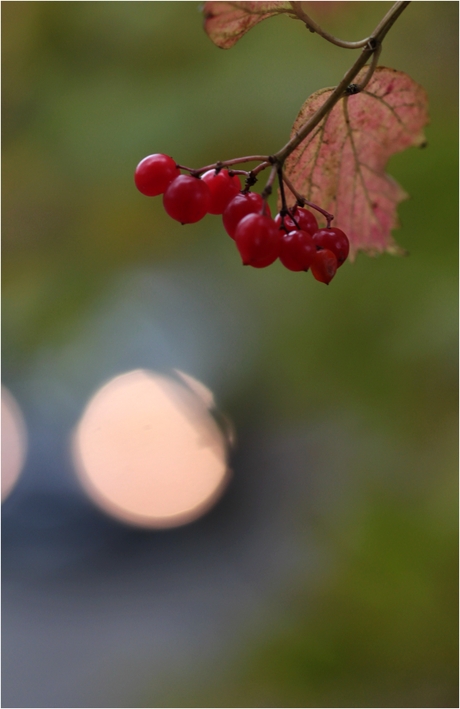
(224, 163)
(268, 187)
(372, 67)
(371, 50)
(340, 90)
(302, 201)
(314, 27)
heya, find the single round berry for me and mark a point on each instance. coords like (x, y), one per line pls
(306, 221)
(258, 240)
(335, 240)
(187, 199)
(223, 188)
(240, 206)
(324, 266)
(297, 250)
(154, 173)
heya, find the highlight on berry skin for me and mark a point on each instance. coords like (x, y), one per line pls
(223, 188)
(258, 240)
(187, 199)
(154, 173)
(297, 250)
(293, 236)
(240, 206)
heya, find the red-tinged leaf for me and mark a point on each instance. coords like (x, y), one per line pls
(340, 166)
(226, 22)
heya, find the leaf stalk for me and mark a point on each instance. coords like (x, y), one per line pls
(314, 27)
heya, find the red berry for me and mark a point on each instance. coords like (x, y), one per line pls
(154, 173)
(297, 250)
(324, 266)
(335, 240)
(243, 204)
(258, 240)
(187, 199)
(306, 221)
(223, 189)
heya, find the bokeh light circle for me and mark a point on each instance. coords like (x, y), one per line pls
(148, 451)
(14, 442)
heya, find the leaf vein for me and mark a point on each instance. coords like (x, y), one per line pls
(392, 110)
(357, 163)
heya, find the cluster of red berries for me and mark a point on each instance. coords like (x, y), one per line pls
(294, 237)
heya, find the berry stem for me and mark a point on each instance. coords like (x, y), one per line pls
(225, 163)
(268, 187)
(302, 202)
(250, 181)
(284, 208)
(238, 172)
(262, 166)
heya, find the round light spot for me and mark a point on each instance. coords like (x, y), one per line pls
(14, 442)
(148, 451)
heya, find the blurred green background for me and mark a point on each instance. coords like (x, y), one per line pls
(370, 363)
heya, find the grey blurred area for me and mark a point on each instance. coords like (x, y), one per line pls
(86, 595)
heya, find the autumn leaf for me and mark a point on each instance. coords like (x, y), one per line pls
(341, 165)
(226, 22)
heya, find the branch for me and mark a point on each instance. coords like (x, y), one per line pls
(373, 44)
(314, 27)
(372, 47)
